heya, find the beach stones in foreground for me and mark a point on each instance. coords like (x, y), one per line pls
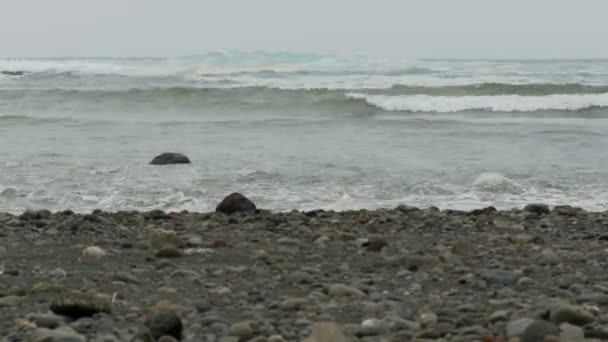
(235, 203)
(170, 158)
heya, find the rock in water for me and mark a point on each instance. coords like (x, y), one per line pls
(13, 73)
(538, 208)
(165, 323)
(170, 158)
(235, 203)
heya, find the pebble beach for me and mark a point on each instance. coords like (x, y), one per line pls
(245, 274)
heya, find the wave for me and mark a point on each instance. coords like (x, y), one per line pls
(502, 103)
(487, 89)
(263, 98)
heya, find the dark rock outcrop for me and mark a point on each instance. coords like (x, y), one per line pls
(170, 158)
(78, 306)
(235, 203)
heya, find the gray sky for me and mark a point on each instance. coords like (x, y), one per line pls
(408, 28)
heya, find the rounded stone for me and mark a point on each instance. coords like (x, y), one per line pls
(170, 158)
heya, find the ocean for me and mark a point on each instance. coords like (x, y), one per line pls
(302, 131)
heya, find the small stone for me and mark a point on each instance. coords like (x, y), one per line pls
(293, 304)
(243, 330)
(594, 298)
(538, 330)
(342, 290)
(463, 248)
(524, 282)
(375, 244)
(517, 327)
(48, 321)
(94, 251)
(202, 305)
(571, 333)
(77, 306)
(538, 208)
(10, 301)
(501, 277)
(168, 252)
(160, 238)
(524, 238)
(427, 319)
(500, 315)
(326, 332)
(570, 314)
(126, 277)
(235, 203)
(165, 323)
(47, 335)
(372, 327)
(46, 287)
(548, 257)
(167, 338)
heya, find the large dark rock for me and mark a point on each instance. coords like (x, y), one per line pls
(235, 203)
(170, 158)
(78, 306)
(165, 324)
(538, 208)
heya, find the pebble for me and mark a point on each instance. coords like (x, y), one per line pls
(570, 314)
(10, 301)
(538, 330)
(517, 327)
(243, 330)
(326, 332)
(94, 251)
(341, 290)
(372, 327)
(46, 287)
(168, 252)
(160, 238)
(164, 323)
(47, 335)
(499, 277)
(548, 257)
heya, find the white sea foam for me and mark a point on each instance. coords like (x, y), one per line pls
(496, 182)
(501, 103)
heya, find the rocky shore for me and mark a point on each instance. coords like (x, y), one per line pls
(402, 274)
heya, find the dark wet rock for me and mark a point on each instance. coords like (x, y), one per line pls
(537, 208)
(168, 252)
(13, 73)
(235, 203)
(165, 323)
(375, 244)
(77, 306)
(32, 215)
(170, 158)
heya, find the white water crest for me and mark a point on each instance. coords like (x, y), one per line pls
(502, 103)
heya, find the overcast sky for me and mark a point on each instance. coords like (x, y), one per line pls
(407, 28)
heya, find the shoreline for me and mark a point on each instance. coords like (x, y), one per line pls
(402, 274)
